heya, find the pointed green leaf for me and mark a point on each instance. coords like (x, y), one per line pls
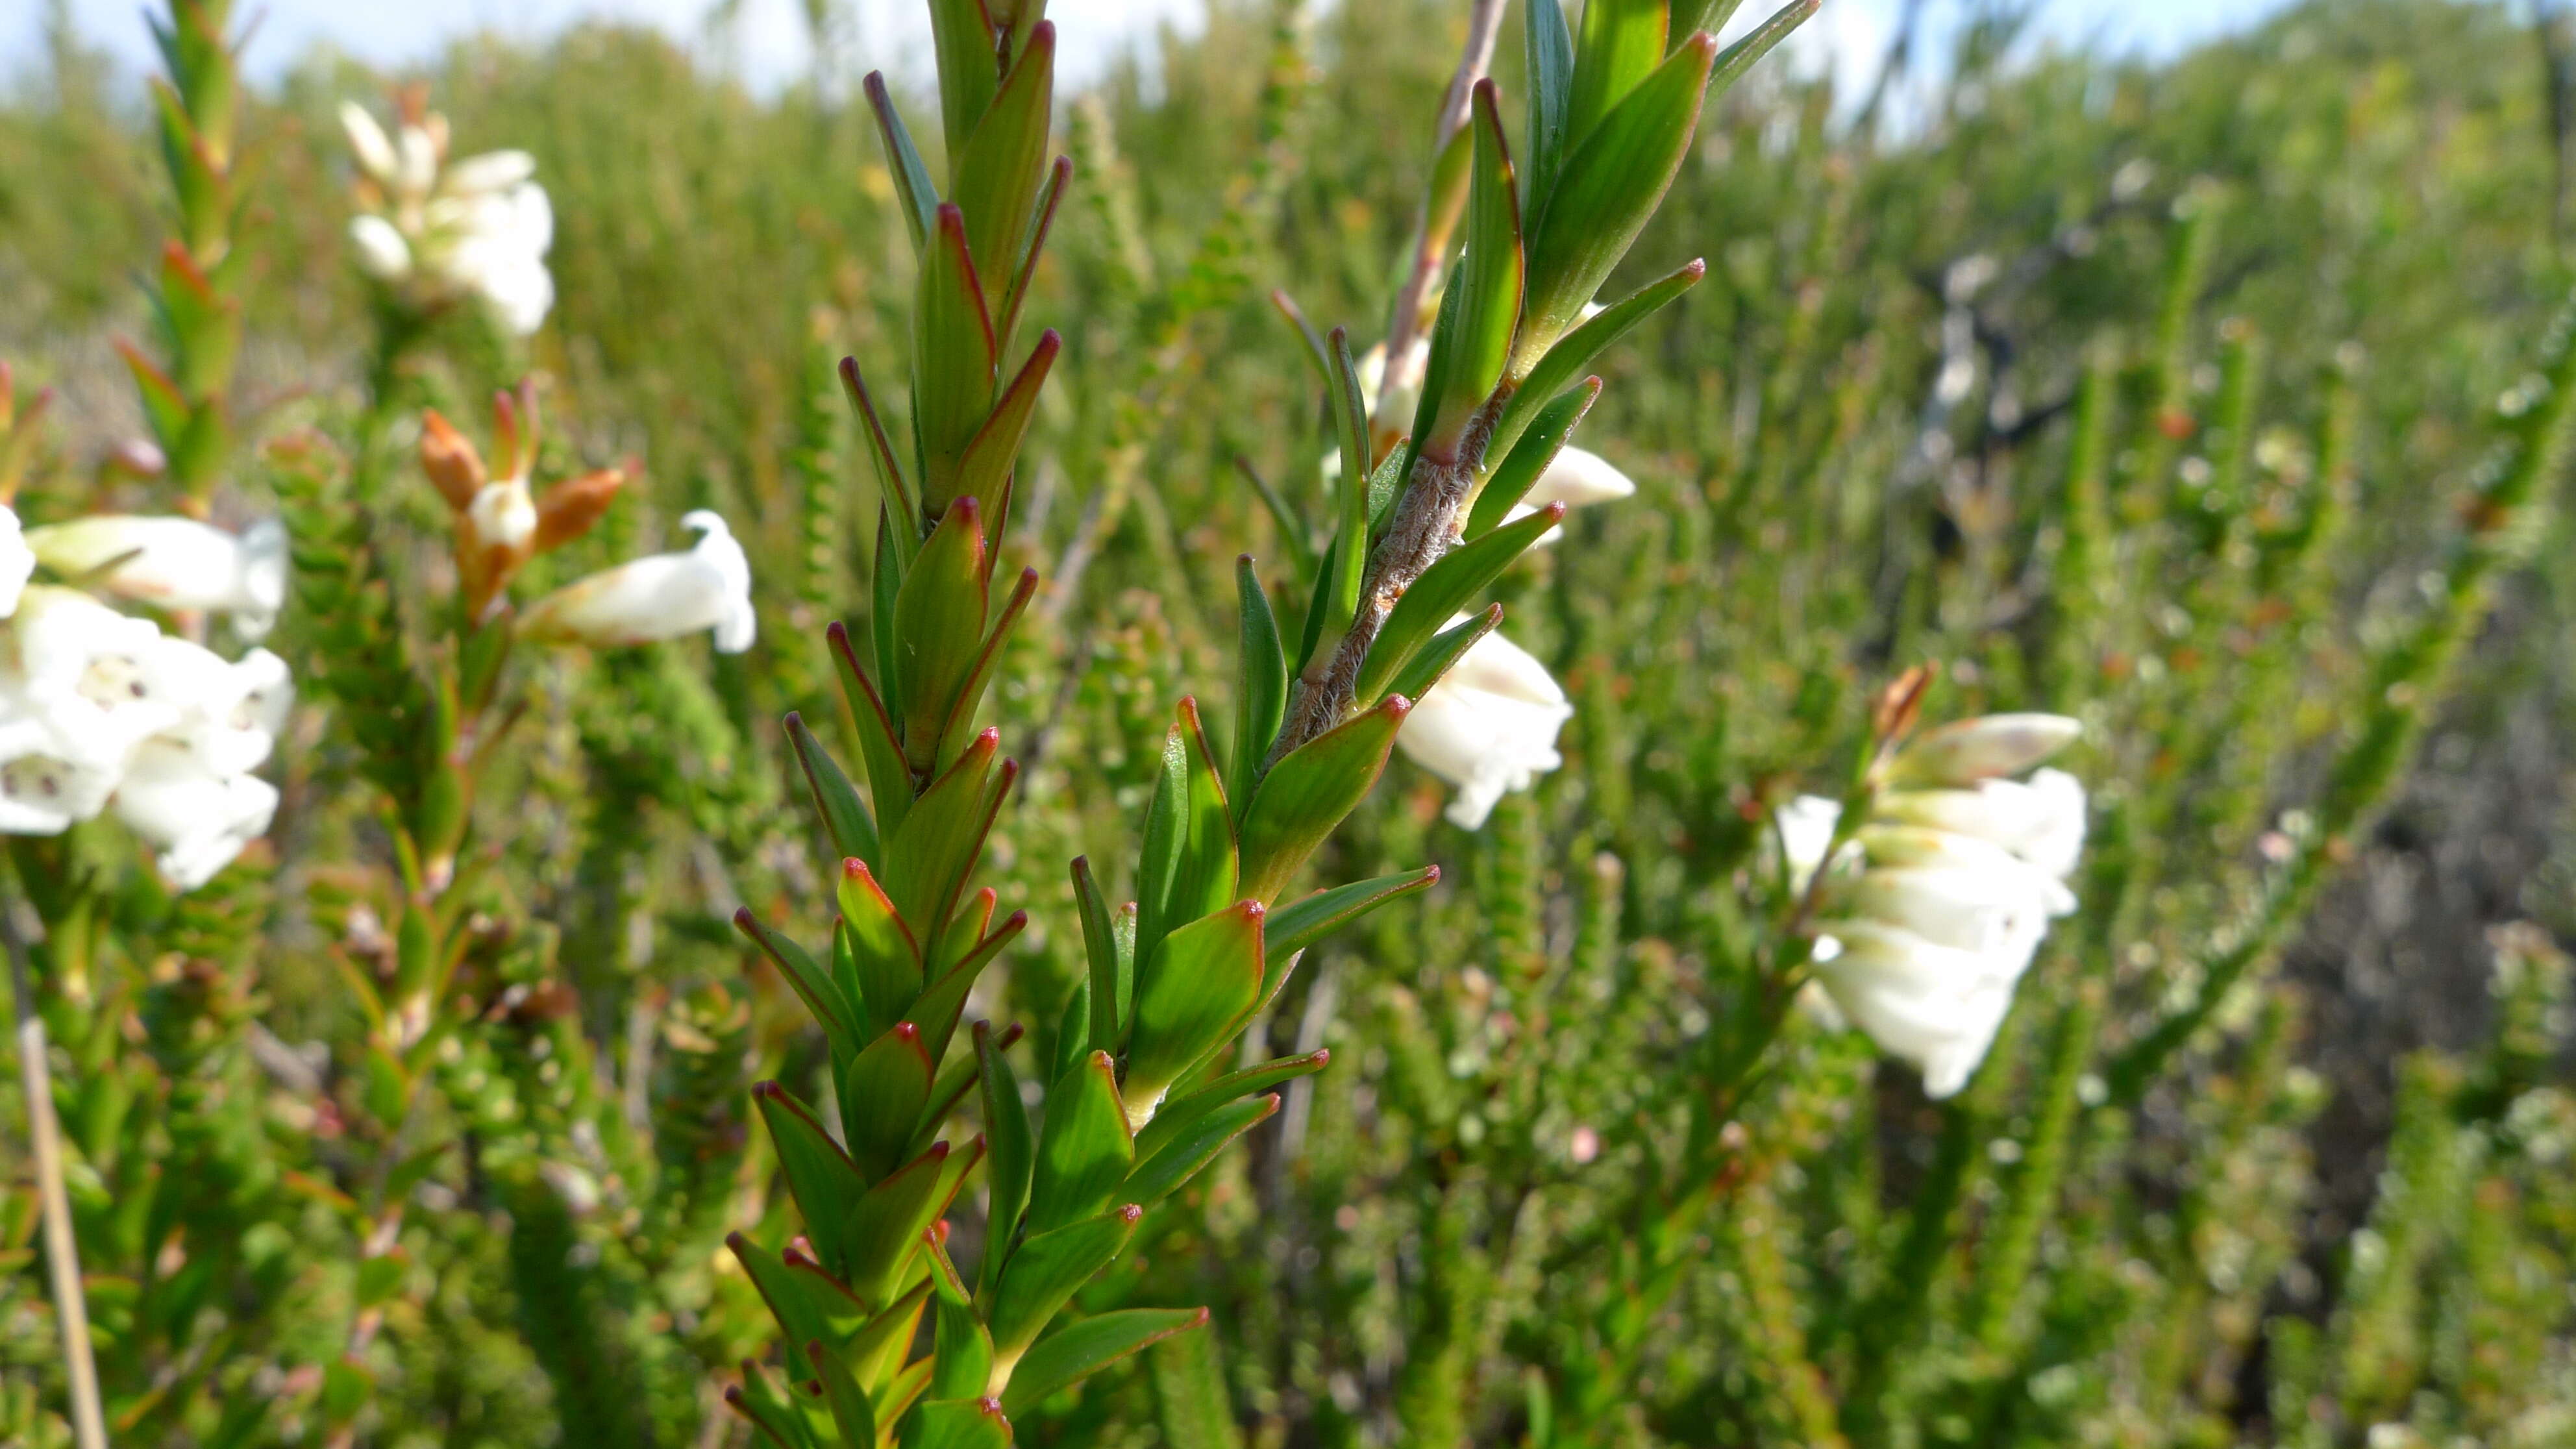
(1084, 1149)
(777, 1421)
(1111, 987)
(1613, 182)
(1167, 834)
(1550, 55)
(880, 747)
(997, 172)
(885, 959)
(852, 1414)
(953, 362)
(984, 473)
(808, 1304)
(1623, 42)
(1180, 1113)
(836, 801)
(1301, 923)
(885, 1225)
(1564, 364)
(958, 1075)
(955, 1423)
(894, 490)
(1474, 338)
(1527, 462)
(1695, 15)
(1014, 1152)
(1194, 993)
(1077, 1350)
(961, 35)
(820, 1176)
(1016, 293)
(1204, 881)
(1350, 493)
(882, 1095)
(1756, 43)
(939, 628)
(812, 984)
(1046, 1271)
(961, 715)
(1261, 693)
(1444, 590)
(915, 193)
(937, 1011)
(934, 850)
(1306, 795)
(1426, 667)
(963, 1352)
(1072, 1032)
(1195, 1146)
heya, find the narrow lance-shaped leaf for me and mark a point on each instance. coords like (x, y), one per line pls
(880, 747)
(939, 628)
(882, 1094)
(961, 715)
(961, 37)
(894, 489)
(885, 960)
(913, 188)
(1550, 55)
(1110, 985)
(820, 1176)
(954, 360)
(1194, 1147)
(1738, 58)
(1180, 1113)
(1076, 1351)
(1446, 648)
(1045, 1272)
(1474, 341)
(1013, 1155)
(1622, 42)
(1612, 184)
(1261, 693)
(984, 473)
(1350, 497)
(1306, 795)
(844, 816)
(1166, 836)
(1444, 589)
(1204, 878)
(1529, 458)
(1084, 1149)
(1193, 993)
(812, 984)
(997, 173)
(962, 1357)
(1015, 293)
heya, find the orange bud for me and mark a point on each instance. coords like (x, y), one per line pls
(449, 458)
(570, 508)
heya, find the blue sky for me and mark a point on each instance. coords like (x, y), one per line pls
(769, 40)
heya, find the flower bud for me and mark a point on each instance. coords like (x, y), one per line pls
(1969, 750)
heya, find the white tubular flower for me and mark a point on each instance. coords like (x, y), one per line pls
(102, 680)
(1933, 1006)
(175, 563)
(1487, 727)
(48, 782)
(230, 714)
(17, 561)
(1575, 478)
(2041, 821)
(442, 231)
(660, 597)
(1948, 893)
(198, 818)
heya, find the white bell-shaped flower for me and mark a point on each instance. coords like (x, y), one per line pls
(175, 563)
(48, 782)
(104, 681)
(1936, 1007)
(439, 231)
(230, 712)
(660, 597)
(1487, 727)
(17, 561)
(198, 818)
(1942, 896)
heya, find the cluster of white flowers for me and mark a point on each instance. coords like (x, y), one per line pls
(100, 711)
(1934, 907)
(439, 231)
(1489, 726)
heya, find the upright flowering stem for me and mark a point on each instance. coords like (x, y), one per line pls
(186, 396)
(62, 1252)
